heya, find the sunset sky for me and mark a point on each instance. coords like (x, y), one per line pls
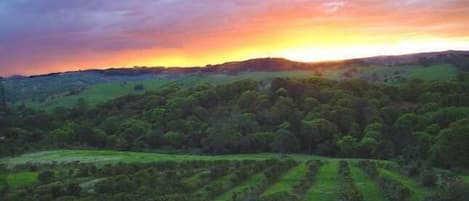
(42, 36)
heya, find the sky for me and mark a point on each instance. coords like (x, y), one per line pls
(43, 36)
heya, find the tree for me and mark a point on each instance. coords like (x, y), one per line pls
(139, 87)
(285, 142)
(282, 108)
(46, 177)
(175, 139)
(325, 134)
(348, 146)
(247, 100)
(61, 136)
(309, 104)
(3, 102)
(4, 185)
(452, 145)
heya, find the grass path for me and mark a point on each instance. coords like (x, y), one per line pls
(252, 181)
(367, 187)
(326, 186)
(418, 191)
(288, 180)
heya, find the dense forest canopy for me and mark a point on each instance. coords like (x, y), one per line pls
(413, 121)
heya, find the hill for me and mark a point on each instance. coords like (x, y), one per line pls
(97, 86)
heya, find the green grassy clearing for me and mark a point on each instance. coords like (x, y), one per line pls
(326, 186)
(99, 93)
(392, 75)
(418, 191)
(434, 72)
(465, 178)
(21, 179)
(252, 181)
(288, 180)
(367, 187)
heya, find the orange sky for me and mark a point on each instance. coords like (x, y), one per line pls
(72, 36)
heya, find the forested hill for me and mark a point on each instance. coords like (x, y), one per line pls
(413, 121)
(97, 86)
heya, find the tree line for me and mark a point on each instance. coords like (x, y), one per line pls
(413, 121)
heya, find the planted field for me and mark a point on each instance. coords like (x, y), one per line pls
(264, 177)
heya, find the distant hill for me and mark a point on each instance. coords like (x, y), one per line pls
(459, 59)
(49, 90)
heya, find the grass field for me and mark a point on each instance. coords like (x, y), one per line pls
(100, 93)
(21, 179)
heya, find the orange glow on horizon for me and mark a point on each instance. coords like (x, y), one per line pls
(300, 30)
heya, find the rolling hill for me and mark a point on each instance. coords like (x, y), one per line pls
(97, 86)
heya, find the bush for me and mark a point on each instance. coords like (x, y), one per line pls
(428, 178)
(305, 183)
(139, 87)
(349, 190)
(369, 167)
(46, 177)
(454, 190)
(394, 190)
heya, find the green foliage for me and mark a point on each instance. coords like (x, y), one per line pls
(46, 177)
(452, 144)
(453, 190)
(349, 118)
(285, 142)
(349, 190)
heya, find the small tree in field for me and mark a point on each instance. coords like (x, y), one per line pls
(46, 177)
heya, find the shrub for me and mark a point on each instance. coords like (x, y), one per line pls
(349, 190)
(428, 178)
(46, 177)
(305, 183)
(139, 87)
(454, 190)
(394, 190)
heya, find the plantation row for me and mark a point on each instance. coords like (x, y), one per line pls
(243, 180)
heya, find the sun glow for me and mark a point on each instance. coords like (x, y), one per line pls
(223, 31)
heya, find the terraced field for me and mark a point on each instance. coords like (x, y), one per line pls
(263, 176)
